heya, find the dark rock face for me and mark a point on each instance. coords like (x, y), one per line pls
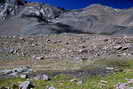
(38, 19)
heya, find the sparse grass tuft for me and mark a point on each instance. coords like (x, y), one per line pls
(62, 77)
(121, 62)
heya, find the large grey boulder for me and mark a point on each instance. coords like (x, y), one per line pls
(41, 77)
(26, 85)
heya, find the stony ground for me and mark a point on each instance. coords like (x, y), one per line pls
(66, 46)
(62, 49)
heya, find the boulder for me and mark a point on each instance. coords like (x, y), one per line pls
(13, 74)
(39, 57)
(41, 77)
(51, 88)
(24, 76)
(26, 85)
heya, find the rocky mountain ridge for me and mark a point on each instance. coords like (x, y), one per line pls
(40, 19)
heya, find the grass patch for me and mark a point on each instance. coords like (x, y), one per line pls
(62, 77)
(8, 82)
(63, 82)
(121, 62)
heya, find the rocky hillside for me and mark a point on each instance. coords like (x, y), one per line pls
(66, 46)
(37, 19)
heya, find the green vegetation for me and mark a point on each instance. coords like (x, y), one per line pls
(119, 62)
(65, 81)
(10, 81)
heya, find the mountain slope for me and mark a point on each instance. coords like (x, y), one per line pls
(37, 19)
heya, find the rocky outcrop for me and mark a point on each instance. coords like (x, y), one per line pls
(16, 72)
(18, 19)
(42, 12)
(6, 10)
